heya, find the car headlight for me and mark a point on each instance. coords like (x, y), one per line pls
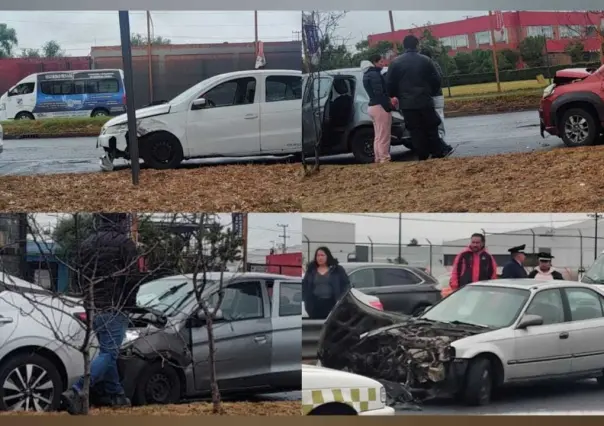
(549, 90)
(383, 395)
(115, 130)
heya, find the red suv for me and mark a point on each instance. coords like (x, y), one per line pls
(572, 108)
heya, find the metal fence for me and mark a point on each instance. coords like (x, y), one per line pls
(573, 250)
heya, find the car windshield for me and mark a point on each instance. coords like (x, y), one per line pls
(595, 274)
(487, 306)
(199, 87)
(167, 295)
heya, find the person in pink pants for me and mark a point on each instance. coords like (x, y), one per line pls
(380, 106)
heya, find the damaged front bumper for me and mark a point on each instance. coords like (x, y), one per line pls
(408, 355)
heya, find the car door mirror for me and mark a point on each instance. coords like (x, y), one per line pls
(199, 104)
(529, 321)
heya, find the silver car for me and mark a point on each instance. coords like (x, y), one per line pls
(484, 336)
(334, 111)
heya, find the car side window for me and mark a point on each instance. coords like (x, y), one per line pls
(362, 278)
(283, 88)
(396, 276)
(548, 305)
(584, 304)
(240, 91)
(23, 89)
(321, 88)
(241, 301)
(290, 300)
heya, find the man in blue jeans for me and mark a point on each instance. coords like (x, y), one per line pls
(108, 258)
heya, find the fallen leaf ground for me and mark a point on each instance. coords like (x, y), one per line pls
(561, 180)
(282, 408)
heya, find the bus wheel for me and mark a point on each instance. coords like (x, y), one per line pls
(161, 151)
(100, 113)
(23, 115)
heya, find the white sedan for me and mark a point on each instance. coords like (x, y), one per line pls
(332, 392)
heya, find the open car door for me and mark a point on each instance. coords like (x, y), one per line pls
(314, 109)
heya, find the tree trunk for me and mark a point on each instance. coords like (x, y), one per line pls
(86, 386)
(216, 401)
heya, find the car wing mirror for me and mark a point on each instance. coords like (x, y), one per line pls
(199, 104)
(529, 321)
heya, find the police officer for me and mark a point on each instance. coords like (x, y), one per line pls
(515, 267)
(545, 271)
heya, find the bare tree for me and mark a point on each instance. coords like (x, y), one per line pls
(320, 54)
(593, 24)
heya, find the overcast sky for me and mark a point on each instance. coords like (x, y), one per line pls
(77, 31)
(263, 229)
(439, 227)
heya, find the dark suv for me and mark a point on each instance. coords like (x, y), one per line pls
(400, 288)
(572, 108)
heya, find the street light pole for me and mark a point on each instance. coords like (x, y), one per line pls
(129, 86)
(400, 237)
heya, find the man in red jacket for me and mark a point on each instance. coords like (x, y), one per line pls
(473, 264)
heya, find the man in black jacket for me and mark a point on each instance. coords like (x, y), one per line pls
(413, 79)
(514, 269)
(110, 277)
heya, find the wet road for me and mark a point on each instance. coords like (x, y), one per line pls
(552, 398)
(473, 136)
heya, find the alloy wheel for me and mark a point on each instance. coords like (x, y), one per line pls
(28, 388)
(576, 129)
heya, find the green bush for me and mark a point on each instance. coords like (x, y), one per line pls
(512, 75)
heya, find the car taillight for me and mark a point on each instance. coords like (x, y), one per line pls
(377, 305)
(81, 316)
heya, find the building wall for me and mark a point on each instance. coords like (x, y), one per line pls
(516, 25)
(339, 237)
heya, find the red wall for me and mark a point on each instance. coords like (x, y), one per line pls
(285, 264)
(515, 22)
(14, 69)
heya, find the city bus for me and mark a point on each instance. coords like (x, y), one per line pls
(90, 93)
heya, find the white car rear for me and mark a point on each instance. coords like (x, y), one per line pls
(39, 340)
(331, 392)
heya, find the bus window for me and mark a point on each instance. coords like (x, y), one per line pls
(79, 87)
(106, 85)
(57, 87)
(22, 89)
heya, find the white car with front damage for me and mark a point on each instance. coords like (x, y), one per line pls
(332, 392)
(483, 336)
(237, 114)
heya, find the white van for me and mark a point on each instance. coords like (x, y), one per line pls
(237, 114)
(88, 93)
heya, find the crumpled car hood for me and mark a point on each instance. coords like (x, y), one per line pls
(387, 346)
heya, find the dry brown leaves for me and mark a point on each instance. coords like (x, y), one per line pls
(281, 408)
(562, 180)
(222, 189)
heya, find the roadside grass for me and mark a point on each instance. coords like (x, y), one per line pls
(470, 90)
(464, 103)
(277, 408)
(561, 180)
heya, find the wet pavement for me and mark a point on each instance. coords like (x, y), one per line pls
(473, 136)
(561, 397)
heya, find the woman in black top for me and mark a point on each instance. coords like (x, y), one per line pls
(324, 284)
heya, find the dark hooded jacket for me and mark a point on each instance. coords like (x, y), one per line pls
(375, 86)
(108, 260)
(414, 80)
(338, 281)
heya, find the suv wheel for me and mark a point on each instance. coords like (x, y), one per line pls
(362, 145)
(29, 383)
(579, 128)
(479, 382)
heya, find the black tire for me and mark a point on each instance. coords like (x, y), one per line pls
(584, 123)
(361, 145)
(479, 383)
(24, 115)
(157, 385)
(41, 364)
(100, 112)
(333, 409)
(161, 151)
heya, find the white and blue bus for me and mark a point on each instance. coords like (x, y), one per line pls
(90, 93)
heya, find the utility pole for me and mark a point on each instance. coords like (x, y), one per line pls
(244, 233)
(256, 30)
(391, 17)
(284, 236)
(400, 237)
(297, 35)
(149, 57)
(494, 51)
(596, 217)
